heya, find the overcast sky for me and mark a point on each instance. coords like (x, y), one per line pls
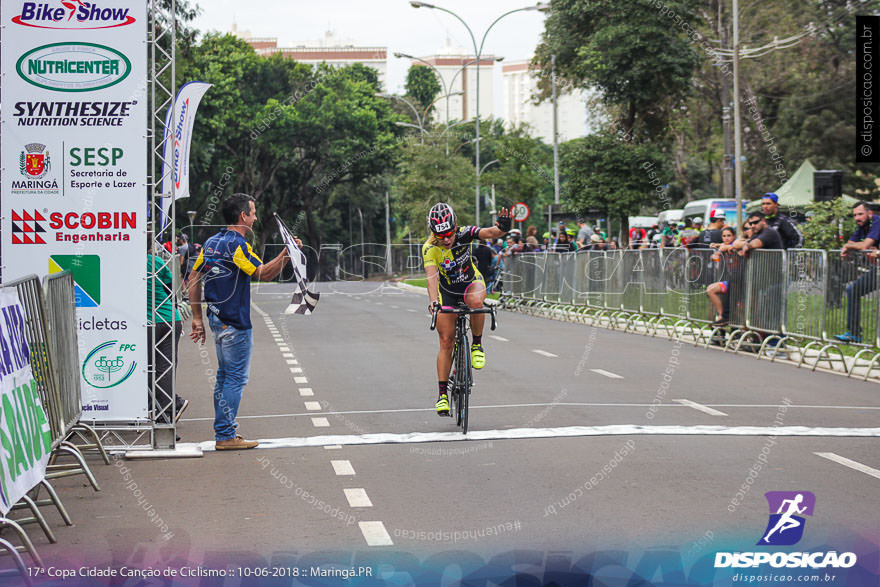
(386, 23)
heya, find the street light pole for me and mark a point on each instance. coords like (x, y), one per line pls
(555, 134)
(478, 51)
(737, 121)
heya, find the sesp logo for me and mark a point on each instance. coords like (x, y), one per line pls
(786, 524)
(109, 364)
(72, 15)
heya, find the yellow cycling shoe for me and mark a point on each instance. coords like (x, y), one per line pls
(478, 357)
(442, 406)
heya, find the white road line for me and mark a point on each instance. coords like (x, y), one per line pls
(320, 423)
(292, 362)
(283, 348)
(379, 304)
(287, 355)
(333, 447)
(560, 432)
(300, 380)
(410, 310)
(700, 407)
(306, 391)
(296, 370)
(545, 353)
(535, 405)
(357, 498)
(375, 534)
(313, 406)
(501, 338)
(849, 463)
(259, 311)
(393, 307)
(342, 467)
(608, 374)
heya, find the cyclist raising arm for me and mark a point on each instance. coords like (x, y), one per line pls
(453, 278)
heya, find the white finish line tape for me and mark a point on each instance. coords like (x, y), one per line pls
(562, 432)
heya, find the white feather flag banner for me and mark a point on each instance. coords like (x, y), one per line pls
(303, 301)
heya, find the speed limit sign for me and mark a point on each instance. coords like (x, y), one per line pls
(520, 212)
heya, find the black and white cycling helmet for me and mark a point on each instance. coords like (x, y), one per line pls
(441, 218)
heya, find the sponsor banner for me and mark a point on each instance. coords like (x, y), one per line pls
(25, 437)
(74, 153)
(178, 138)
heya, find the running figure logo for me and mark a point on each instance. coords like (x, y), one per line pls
(786, 525)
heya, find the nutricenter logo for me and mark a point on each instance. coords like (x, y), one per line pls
(73, 67)
(72, 15)
(785, 528)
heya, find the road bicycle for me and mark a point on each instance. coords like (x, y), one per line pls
(462, 378)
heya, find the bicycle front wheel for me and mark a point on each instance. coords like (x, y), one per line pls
(465, 387)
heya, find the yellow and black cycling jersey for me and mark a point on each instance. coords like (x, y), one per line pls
(455, 264)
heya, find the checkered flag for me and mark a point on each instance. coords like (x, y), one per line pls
(303, 301)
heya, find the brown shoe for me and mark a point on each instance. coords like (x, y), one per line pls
(237, 443)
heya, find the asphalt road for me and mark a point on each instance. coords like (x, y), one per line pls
(582, 440)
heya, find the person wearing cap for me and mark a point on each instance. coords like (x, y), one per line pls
(712, 234)
(669, 235)
(597, 243)
(584, 233)
(785, 226)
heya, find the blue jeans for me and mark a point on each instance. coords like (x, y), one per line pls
(862, 286)
(233, 368)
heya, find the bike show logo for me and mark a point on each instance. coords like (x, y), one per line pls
(786, 524)
(30, 228)
(34, 164)
(73, 67)
(72, 15)
(109, 364)
(785, 527)
(86, 270)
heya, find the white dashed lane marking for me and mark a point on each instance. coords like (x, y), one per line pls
(700, 407)
(320, 423)
(375, 534)
(849, 463)
(306, 391)
(300, 380)
(357, 498)
(287, 355)
(501, 338)
(607, 374)
(284, 349)
(292, 362)
(544, 353)
(313, 406)
(296, 370)
(342, 467)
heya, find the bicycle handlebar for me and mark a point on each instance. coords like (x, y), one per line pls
(462, 310)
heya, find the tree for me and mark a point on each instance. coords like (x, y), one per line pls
(603, 172)
(422, 86)
(641, 59)
(524, 172)
(286, 133)
(425, 176)
(829, 225)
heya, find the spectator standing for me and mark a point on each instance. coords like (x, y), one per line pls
(637, 237)
(165, 329)
(584, 233)
(785, 226)
(865, 236)
(226, 264)
(712, 234)
(597, 243)
(651, 233)
(669, 235)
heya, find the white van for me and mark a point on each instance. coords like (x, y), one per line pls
(642, 221)
(667, 216)
(702, 209)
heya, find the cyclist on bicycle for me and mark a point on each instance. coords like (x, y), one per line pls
(453, 278)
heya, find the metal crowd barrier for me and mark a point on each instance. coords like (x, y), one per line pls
(51, 333)
(772, 296)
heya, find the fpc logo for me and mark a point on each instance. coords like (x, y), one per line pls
(786, 524)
